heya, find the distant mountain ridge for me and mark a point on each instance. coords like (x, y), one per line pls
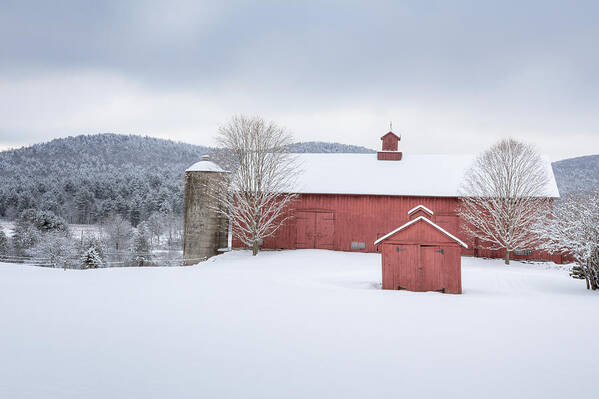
(84, 178)
(316, 147)
(577, 174)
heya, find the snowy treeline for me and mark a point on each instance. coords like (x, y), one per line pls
(317, 147)
(84, 179)
(44, 239)
(577, 174)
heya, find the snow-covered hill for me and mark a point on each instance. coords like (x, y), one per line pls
(84, 178)
(87, 177)
(577, 174)
(294, 324)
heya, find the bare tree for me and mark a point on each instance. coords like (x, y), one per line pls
(156, 223)
(574, 228)
(119, 231)
(173, 224)
(503, 195)
(257, 193)
(58, 247)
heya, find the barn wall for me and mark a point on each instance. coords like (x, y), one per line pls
(364, 218)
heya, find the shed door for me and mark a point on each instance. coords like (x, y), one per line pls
(325, 228)
(429, 269)
(404, 263)
(306, 226)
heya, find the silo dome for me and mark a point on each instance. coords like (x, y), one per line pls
(205, 165)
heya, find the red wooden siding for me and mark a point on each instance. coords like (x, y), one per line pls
(388, 156)
(429, 270)
(421, 258)
(325, 230)
(357, 218)
(364, 218)
(306, 229)
(390, 142)
(397, 267)
(419, 212)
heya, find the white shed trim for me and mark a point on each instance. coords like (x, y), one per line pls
(411, 222)
(424, 208)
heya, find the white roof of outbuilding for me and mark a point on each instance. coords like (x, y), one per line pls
(205, 165)
(432, 175)
(422, 218)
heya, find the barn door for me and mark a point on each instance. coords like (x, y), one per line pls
(325, 229)
(429, 268)
(306, 227)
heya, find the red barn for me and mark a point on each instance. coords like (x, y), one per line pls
(347, 201)
(421, 256)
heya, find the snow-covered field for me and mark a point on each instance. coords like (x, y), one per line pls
(86, 229)
(294, 324)
(76, 229)
(6, 227)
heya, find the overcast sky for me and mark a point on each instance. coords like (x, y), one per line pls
(453, 76)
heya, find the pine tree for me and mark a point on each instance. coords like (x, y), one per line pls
(91, 259)
(141, 239)
(3, 243)
(142, 245)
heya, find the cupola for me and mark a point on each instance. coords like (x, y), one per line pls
(390, 144)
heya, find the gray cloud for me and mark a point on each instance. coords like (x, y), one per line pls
(329, 70)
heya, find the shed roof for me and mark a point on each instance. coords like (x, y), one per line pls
(421, 218)
(432, 175)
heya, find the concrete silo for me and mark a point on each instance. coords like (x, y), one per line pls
(205, 231)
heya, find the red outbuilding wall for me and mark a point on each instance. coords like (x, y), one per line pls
(421, 258)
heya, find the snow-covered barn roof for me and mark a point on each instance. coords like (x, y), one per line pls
(433, 175)
(422, 218)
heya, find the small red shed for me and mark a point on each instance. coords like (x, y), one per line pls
(421, 256)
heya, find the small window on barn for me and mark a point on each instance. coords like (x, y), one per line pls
(523, 252)
(361, 245)
(354, 245)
